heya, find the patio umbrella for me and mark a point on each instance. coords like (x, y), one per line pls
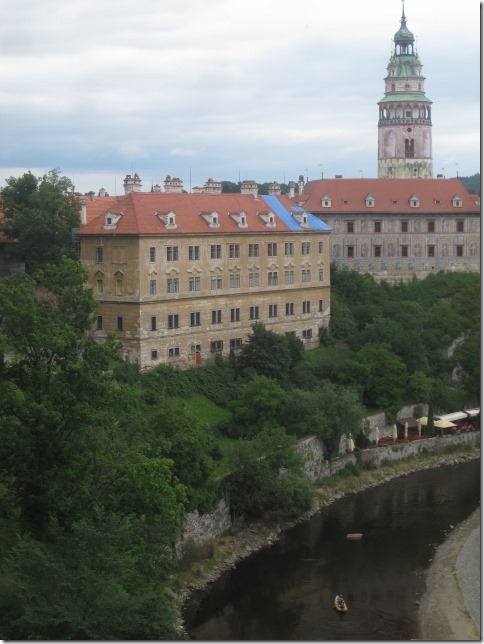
(394, 433)
(377, 434)
(351, 444)
(406, 431)
(419, 429)
(444, 424)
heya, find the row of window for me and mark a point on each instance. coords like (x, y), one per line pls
(217, 346)
(172, 253)
(217, 282)
(404, 251)
(404, 226)
(173, 319)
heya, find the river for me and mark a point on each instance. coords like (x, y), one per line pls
(285, 592)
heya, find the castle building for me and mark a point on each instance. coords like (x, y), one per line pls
(404, 125)
(180, 277)
(397, 228)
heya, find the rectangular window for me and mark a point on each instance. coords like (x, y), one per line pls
(235, 315)
(272, 278)
(173, 321)
(320, 307)
(153, 323)
(460, 225)
(253, 250)
(152, 254)
(321, 275)
(194, 253)
(100, 286)
(119, 287)
(290, 308)
(350, 251)
(193, 284)
(172, 253)
(254, 313)
(216, 346)
(195, 348)
(99, 254)
(306, 306)
(235, 280)
(174, 352)
(172, 285)
(195, 318)
(289, 249)
(235, 343)
(459, 251)
(377, 250)
(306, 275)
(154, 354)
(431, 251)
(305, 248)
(234, 251)
(431, 226)
(99, 323)
(216, 282)
(254, 279)
(320, 247)
(217, 316)
(272, 310)
(215, 251)
(307, 334)
(272, 249)
(377, 226)
(119, 322)
(288, 277)
(152, 287)
(404, 226)
(404, 251)
(350, 227)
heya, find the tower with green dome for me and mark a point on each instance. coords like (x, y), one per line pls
(404, 125)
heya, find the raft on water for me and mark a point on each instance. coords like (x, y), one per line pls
(354, 535)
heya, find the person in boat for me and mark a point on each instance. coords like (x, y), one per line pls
(340, 601)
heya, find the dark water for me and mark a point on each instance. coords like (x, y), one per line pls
(286, 592)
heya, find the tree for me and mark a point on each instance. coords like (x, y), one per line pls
(388, 375)
(267, 353)
(41, 214)
(259, 405)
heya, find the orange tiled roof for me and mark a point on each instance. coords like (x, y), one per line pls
(391, 196)
(140, 212)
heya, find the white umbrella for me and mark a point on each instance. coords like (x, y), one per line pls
(394, 433)
(406, 431)
(377, 434)
(351, 444)
(419, 429)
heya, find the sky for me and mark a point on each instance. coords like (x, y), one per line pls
(229, 89)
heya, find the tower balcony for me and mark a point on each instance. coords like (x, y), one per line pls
(404, 121)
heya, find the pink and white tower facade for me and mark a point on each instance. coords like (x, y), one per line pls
(404, 125)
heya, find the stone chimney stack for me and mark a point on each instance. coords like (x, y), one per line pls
(173, 184)
(301, 184)
(292, 187)
(132, 183)
(102, 192)
(157, 188)
(274, 188)
(249, 187)
(213, 187)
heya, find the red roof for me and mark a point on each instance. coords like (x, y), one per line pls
(390, 196)
(139, 213)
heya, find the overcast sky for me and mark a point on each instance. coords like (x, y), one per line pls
(230, 89)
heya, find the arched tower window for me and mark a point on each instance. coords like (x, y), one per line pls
(409, 148)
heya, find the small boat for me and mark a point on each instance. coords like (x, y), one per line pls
(340, 604)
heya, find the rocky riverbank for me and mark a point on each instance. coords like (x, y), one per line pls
(241, 542)
(450, 608)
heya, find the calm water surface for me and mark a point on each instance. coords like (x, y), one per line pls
(286, 592)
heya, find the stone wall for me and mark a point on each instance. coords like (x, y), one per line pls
(203, 527)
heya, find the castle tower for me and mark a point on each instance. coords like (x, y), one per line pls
(404, 126)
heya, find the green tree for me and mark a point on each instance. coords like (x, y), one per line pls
(388, 375)
(41, 214)
(268, 354)
(259, 405)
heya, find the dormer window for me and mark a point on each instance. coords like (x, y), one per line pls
(370, 201)
(212, 218)
(414, 201)
(268, 218)
(240, 218)
(326, 201)
(168, 218)
(111, 220)
(301, 218)
(457, 202)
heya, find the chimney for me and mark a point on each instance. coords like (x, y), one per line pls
(83, 213)
(301, 184)
(102, 192)
(173, 184)
(291, 186)
(338, 176)
(249, 187)
(132, 183)
(274, 188)
(157, 188)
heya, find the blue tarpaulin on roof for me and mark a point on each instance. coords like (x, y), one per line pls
(287, 216)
